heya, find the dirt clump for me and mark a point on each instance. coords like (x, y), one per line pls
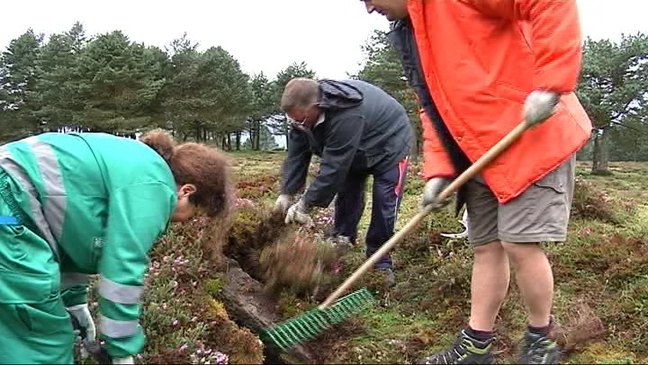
(582, 326)
(414, 348)
(253, 228)
(281, 256)
(301, 263)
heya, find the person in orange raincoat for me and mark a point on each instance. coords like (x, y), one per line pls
(478, 68)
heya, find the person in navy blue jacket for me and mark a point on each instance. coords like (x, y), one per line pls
(357, 130)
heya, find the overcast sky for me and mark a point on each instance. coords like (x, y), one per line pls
(264, 35)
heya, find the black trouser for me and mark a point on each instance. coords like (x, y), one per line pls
(386, 197)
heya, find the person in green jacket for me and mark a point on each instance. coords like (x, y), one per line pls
(79, 204)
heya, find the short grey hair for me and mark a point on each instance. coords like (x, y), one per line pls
(299, 92)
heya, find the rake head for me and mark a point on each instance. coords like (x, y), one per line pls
(314, 322)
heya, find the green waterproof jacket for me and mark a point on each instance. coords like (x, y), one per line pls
(100, 201)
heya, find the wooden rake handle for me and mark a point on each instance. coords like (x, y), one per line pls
(475, 168)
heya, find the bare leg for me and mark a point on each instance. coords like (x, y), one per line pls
(490, 282)
(534, 279)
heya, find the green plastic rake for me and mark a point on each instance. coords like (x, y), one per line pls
(312, 323)
(333, 310)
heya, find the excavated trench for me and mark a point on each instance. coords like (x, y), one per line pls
(243, 293)
(250, 307)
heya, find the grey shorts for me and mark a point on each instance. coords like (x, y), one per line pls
(539, 214)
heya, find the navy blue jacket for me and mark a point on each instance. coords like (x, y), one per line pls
(365, 130)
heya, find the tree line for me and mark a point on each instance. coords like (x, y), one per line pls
(112, 84)
(109, 83)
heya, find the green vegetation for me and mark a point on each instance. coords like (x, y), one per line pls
(600, 275)
(111, 83)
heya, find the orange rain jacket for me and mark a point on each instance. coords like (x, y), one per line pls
(480, 59)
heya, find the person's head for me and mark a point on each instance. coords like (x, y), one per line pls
(201, 174)
(391, 9)
(300, 100)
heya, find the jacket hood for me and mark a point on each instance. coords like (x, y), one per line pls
(338, 95)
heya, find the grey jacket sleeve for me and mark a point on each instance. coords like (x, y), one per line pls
(342, 141)
(295, 166)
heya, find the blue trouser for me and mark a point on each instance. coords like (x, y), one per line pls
(386, 197)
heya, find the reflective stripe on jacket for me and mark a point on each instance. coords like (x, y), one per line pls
(101, 202)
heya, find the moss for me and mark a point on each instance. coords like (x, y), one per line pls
(617, 258)
(214, 285)
(290, 306)
(241, 345)
(602, 353)
(216, 309)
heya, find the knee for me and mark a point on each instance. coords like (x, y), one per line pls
(492, 249)
(518, 253)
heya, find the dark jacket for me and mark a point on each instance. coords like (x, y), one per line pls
(402, 39)
(364, 130)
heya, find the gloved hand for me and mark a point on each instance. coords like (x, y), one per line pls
(431, 190)
(83, 317)
(539, 105)
(81, 314)
(298, 213)
(123, 360)
(283, 202)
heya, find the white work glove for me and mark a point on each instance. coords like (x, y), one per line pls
(540, 105)
(283, 202)
(82, 314)
(123, 360)
(298, 213)
(431, 190)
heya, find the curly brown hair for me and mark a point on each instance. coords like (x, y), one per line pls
(194, 163)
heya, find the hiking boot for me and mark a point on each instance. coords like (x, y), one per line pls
(389, 279)
(538, 349)
(466, 350)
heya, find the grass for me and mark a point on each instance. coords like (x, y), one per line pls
(600, 272)
(603, 265)
(600, 266)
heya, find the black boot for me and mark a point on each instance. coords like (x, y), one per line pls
(466, 350)
(538, 349)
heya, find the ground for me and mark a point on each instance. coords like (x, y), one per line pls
(601, 273)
